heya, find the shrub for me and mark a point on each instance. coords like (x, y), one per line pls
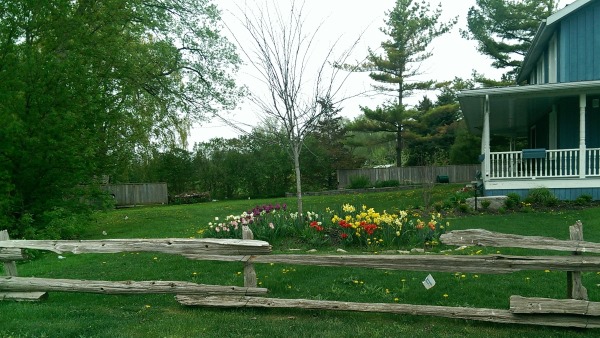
(464, 207)
(541, 196)
(387, 184)
(485, 204)
(512, 201)
(584, 199)
(359, 182)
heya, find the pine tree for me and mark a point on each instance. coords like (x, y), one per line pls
(410, 26)
(504, 30)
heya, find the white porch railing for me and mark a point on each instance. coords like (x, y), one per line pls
(556, 164)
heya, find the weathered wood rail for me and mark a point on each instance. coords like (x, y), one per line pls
(27, 288)
(574, 312)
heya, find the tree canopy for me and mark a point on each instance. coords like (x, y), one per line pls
(504, 31)
(86, 84)
(410, 27)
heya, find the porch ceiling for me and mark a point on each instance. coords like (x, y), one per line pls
(514, 109)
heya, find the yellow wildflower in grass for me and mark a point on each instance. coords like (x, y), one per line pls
(396, 299)
(445, 295)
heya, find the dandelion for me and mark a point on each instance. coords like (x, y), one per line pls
(546, 270)
(396, 299)
(147, 306)
(445, 295)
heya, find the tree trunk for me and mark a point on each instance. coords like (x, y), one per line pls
(399, 146)
(296, 154)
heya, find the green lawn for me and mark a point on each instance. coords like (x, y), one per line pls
(89, 315)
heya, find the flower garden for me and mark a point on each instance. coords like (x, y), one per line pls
(347, 225)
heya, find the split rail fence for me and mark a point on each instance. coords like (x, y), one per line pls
(575, 311)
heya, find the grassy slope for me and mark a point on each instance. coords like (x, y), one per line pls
(83, 315)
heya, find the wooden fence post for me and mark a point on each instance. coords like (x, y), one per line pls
(575, 288)
(249, 272)
(10, 269)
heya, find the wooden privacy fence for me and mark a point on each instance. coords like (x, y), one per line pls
(138, 193)
(576, 311)
(410, 175)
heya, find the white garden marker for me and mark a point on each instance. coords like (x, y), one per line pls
(429, 282)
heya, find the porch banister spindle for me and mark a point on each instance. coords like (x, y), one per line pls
(582, 157)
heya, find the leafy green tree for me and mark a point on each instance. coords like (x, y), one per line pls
(466, 147)
(433, 129)
(84, 85)
(410, 26)
(504, 30)
(325, 152)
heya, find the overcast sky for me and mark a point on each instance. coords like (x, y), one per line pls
(452, 57)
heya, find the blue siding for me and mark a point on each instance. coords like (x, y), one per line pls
(563, 194)
(579, 45)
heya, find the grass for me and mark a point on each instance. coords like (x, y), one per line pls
(89, 315)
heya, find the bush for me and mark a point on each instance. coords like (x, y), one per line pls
(387, 184)
(513, 201)
(464, 207)
(542, 197)
(584, 199)
(359, 182)
(485, 204)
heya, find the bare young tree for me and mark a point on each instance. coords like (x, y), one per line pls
(300, 90)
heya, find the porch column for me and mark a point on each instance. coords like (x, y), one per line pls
(582, 148)
(485, 139)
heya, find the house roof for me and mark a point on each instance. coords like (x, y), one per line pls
(543, 35)
(513, 109)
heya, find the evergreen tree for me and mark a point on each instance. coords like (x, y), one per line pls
(504, 30)
(410, 26)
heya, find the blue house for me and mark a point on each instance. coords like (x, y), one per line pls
(556, 109)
